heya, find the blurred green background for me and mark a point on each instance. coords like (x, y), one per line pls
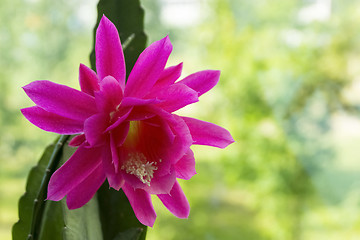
(289, 93)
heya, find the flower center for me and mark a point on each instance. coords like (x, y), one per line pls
(138, 165)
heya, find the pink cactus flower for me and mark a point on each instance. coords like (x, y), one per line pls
(128, 133)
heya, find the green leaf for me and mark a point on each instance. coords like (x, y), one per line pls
(131, 234)
(52, 222)
(32, 204)
(128, 17)
(21, 229)
(83, 223)
(60, 223)
(45, 220)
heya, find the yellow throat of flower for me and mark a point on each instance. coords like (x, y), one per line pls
(136, 162)
(133, 136)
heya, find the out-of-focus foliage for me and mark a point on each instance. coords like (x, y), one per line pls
(289, 86)
(38, 40)
(42, 219)
(285, 77)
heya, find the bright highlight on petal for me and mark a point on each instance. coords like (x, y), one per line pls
(128, 134)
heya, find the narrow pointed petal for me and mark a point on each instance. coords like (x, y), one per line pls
(83, 192)
(52, 122)
(77, 140)
(185, 167)
(114, 178)
(114, 153)
(94, 128)
(61, 99)
(170, 74)
(141, 204)
(109, 96)
(167, 77)
(89, 82)
(202, 81)
(75, 170)
(176, 202)
(109, 54)
(176, 96)
(148, 68)
(205, 133)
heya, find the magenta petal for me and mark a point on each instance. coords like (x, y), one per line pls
(83, 192)
(140, 113)
(161, 184)
(170, 136)
(120, 133)
(133, 180)
(202, 81)
(174, 148)
(185, 167)
(114, 153)
(77, 140)
(61, 99)
(52, 122)
(167, 77)
(132, 101)
(94, 128)
(148, 68)
(109, 54)
(109, 96)
(176, 202)
(114, 178)
(88, 79)
(176, 96)
(75, 170)
(183, 139)
(141, 204)
(119, 118)
(205, 133)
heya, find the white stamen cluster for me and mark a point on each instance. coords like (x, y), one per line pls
(137, 165)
